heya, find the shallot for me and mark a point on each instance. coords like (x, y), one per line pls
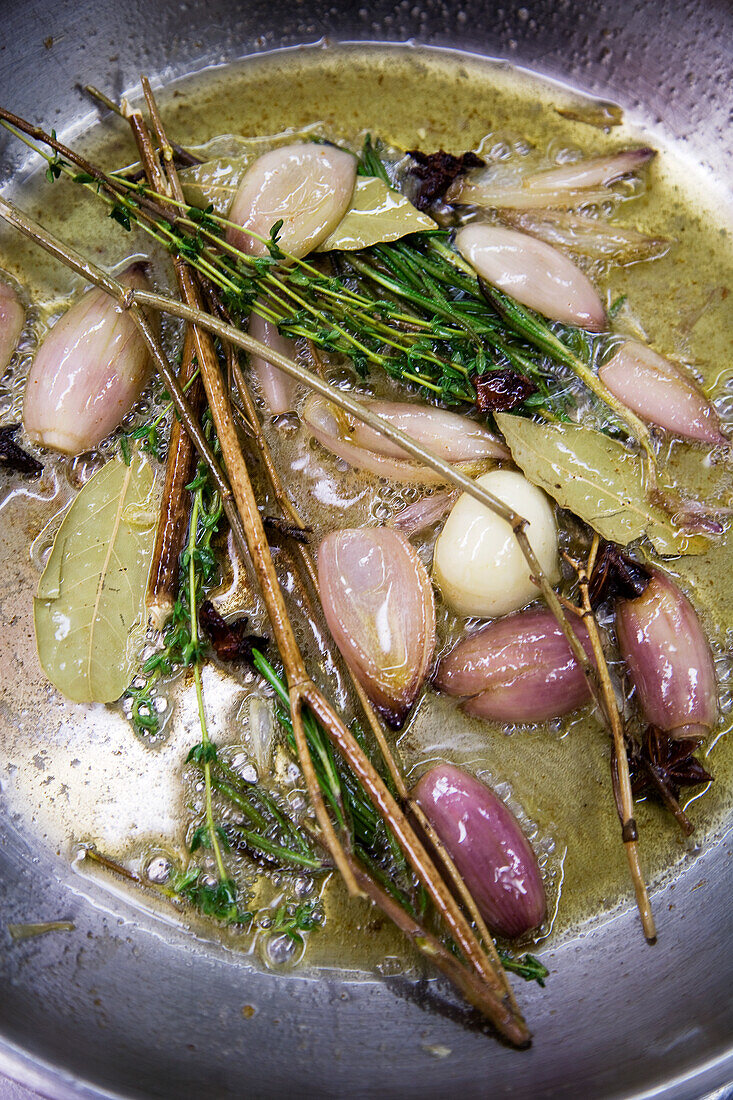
(452, 437)
(379, 606)
(657, 389)
(478, 564)
(307, 187)
(426, 511)
(668, 658)
(564, 187)
(533, 272)
(590, 171)
(12, 319)
(87, 373)
(485, 841)
(517, 669)
(277, 387)
(586, 236)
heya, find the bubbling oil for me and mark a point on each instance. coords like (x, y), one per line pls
(79, 774)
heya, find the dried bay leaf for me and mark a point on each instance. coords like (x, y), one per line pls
(596, 478)
(91, 596)
(377, 214)
(225, 160)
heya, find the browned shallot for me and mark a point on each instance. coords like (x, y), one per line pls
(378, 603)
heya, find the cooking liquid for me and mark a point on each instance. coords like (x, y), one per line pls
(76, 774)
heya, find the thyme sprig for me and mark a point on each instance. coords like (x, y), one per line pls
(413, 308)
(182, 647)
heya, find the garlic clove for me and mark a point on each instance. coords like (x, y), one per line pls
(486, 843)
(533, 272)
(307, 186)
(478, 565)
(338, 432)
(378, 603)
(668, 658)
(277, 387)
(657, 389)
(517, 669)
(12, 319)
(87, 373)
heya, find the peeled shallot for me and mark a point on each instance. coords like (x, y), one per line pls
(517, 669)
(668, 658)
(660, 392)
(485, 841)
(277, 387)
(378, 603)
(450, 436)
(306, 187)
(533, 272)
(12, 319)
(87, 373)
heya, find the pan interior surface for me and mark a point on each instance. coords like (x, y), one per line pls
(130, 1005)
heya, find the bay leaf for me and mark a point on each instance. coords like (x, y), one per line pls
(597, 479)
(377, 214)
(89, 610)
(213, 182)
(226, 158)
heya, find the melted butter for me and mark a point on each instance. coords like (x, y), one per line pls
(72, 773)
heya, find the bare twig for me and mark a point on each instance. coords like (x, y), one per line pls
(183, 156)
(221, 412)
(181, 459)
(431, 948)
(625, 803)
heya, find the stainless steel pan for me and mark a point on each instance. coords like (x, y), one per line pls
(127, 1006)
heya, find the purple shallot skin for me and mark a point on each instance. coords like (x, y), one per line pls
(517, 669)
(668, 658)
(487, 845)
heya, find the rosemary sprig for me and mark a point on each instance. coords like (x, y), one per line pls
(372, 841)
(527, 967)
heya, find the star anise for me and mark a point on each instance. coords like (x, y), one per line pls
(230, 640)
(501, 390)
(14, 457)
(616, 575)
(435, 172)
(661, 766)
